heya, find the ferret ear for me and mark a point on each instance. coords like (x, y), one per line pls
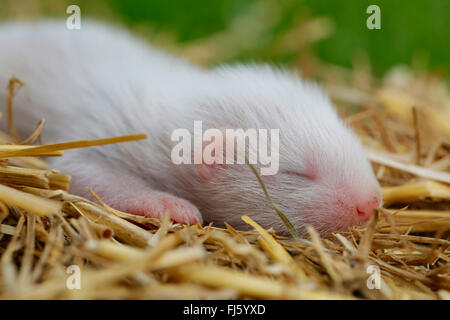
(205, 171)
(212, 156)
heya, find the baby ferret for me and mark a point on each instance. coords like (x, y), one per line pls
(100, 81)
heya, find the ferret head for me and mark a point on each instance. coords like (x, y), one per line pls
(324, 177)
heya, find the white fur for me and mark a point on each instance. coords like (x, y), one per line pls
(99, 82)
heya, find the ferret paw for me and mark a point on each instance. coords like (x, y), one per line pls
(154, 205)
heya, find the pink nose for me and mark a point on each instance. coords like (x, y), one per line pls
(364, 210)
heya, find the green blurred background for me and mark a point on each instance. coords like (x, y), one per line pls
(414, 33)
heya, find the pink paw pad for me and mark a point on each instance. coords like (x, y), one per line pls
(154, 205)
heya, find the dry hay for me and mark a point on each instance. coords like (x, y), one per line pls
(403, 121)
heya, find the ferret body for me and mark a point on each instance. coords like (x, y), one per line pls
(98, 82)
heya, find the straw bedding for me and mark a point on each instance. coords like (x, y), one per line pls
(48, 235)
